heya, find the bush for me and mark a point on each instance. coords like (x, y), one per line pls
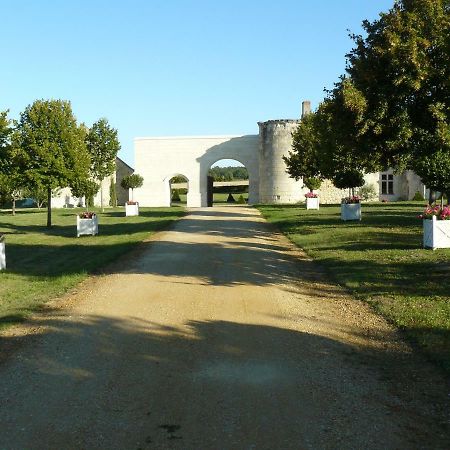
(312, 183)
(368, 192)
(175, 196)
(230, 198)
(241, 200)
(418, 197)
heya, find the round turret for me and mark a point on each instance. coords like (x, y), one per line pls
(275, 185)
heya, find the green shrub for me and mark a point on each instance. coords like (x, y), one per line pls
(312, 183)
(230, 198)
(368, 192)
(175, 196)
(418, 197)
(241, 200)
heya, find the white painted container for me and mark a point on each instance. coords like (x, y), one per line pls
(87, 226)
(436, 233)
(131, 210)
(2, 253)
(351, 211)
(312, 203)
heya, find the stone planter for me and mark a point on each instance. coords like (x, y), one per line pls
(312, 203)
(2, 253)
(351, 211)
(131, 210)
(436, 233)
(87, 226)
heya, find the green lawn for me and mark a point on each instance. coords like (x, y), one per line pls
(380, 260)
(217, 197)
(43, 263)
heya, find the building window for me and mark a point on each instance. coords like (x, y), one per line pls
(387, 184)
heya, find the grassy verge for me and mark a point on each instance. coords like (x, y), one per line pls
(380, 260)
(44, 263)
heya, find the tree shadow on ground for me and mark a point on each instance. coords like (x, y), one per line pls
(114, 383)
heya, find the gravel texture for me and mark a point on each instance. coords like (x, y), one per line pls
(216, 334)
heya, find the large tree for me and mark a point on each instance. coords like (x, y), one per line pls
(11, 177)
(49, 147)
(401, 69)
(103, 146)
(304, 160)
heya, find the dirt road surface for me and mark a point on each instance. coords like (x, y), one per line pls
(217, 334)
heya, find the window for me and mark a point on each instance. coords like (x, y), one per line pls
(387, 184)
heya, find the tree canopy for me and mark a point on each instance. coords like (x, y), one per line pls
(49, 147)
(132, 182)
(103, 145)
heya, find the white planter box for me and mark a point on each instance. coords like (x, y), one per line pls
(131, 210)
(312, 203)
(351, 211)
(436, 233)
(87, 226)
(2, 253)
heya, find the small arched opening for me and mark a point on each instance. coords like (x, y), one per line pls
(228, 183)
(177, 189)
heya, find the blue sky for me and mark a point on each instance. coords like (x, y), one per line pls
(176, 67)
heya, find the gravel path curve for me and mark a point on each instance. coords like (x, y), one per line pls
(216, 334)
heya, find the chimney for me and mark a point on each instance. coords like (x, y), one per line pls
(306, 108)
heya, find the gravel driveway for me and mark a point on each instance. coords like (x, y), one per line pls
(216, 334)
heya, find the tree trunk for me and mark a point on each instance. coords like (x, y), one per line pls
(132, 194)
(13, 206)
(101, 195)
(431, 197)
(49, 207)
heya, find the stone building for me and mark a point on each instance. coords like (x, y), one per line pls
(159, 159)
(64, 198)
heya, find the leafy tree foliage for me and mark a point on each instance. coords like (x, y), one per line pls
(11, 177)
(401, 70)
(49, 148)
(85, 187)
(103, 145)
(132, 182)
(229, 173)
(112, 193)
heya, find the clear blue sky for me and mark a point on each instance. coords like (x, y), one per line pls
(176, 67)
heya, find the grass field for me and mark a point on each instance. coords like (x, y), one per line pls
(217, 197)
(380, 260)
(44, 263)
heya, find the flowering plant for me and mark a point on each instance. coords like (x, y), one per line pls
(87, 215)
(440, 213)
(311, 195)
(131, 202)
(352, 199)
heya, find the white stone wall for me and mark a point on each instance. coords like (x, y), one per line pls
(275, 142)
(160, 159)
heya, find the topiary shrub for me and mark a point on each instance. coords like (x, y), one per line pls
(241, 200)
(312, 183)
(175, 196)
(418, 197)
(230, 198)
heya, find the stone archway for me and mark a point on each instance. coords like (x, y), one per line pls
(160, 159)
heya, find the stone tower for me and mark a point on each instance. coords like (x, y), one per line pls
(275, 141)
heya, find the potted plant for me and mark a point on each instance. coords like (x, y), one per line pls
(2, 252)
(87, 223)
(131, 208)
(351, 205)
(436, 227)
(351, 208)
(132, 182)
(312, 199)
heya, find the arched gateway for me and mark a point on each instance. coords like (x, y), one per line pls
(158, 159)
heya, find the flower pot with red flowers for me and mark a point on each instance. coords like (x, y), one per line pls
(131, 208)
(312, 200)
(87, 223)
(351, 208)
(436, 227)
(2, 252)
